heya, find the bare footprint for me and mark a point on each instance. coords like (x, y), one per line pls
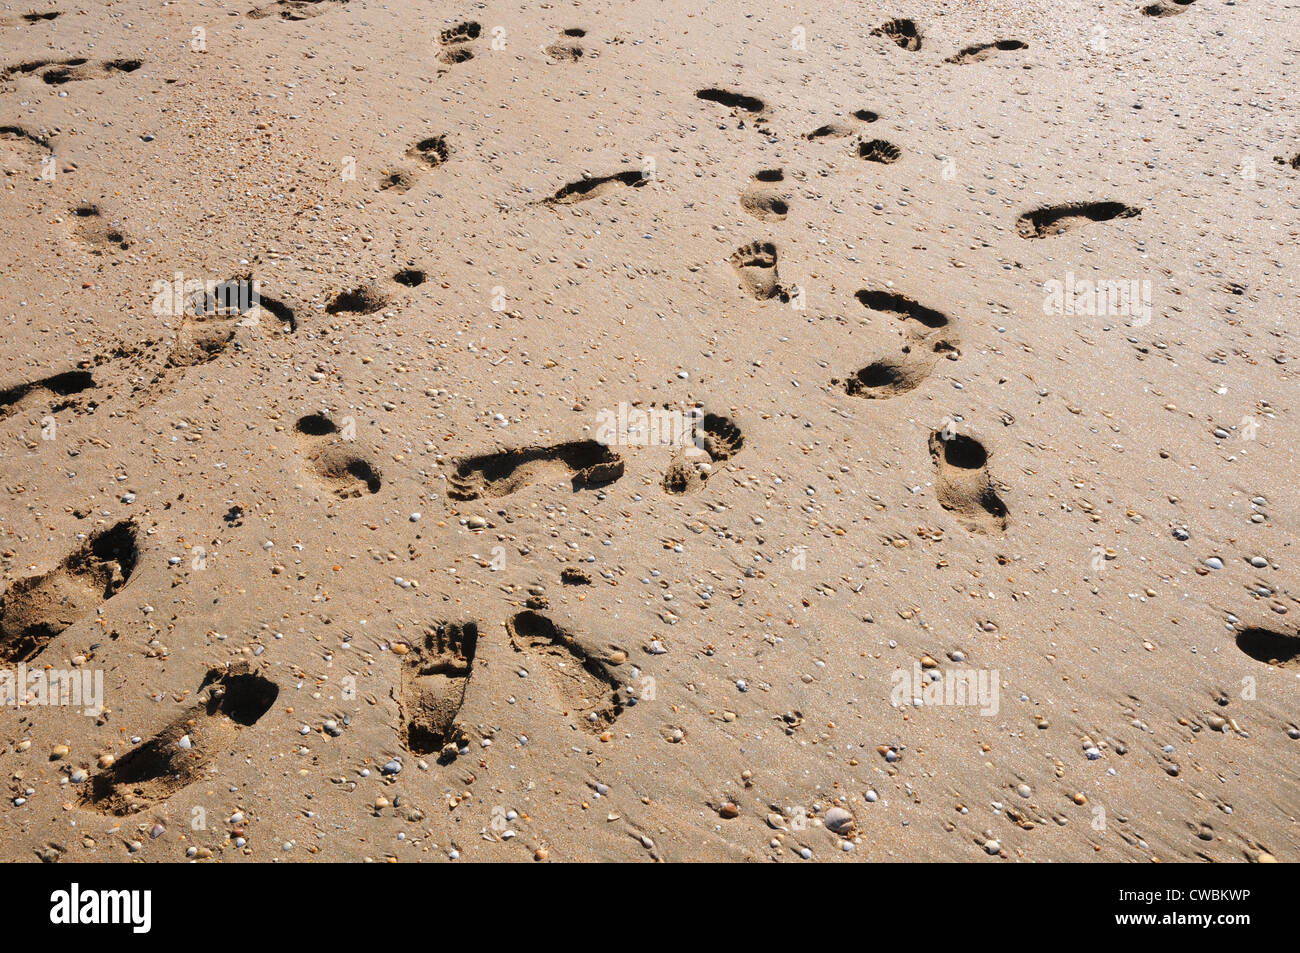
(890, 377)
(983, 51)
(755, 264)
(878, 150)
(295, 9)
(455, 42)
(36, 609)
(716, 439)
(903, 32)
(763, 200)
(588, 463)
(343, 470)
(230, 700)
(1056, 219)
(593, 187)
(1166, 8)
(567, 49)
(96, 232)
(435, 674)
(581, 685)
(963, 484)
(904, 308)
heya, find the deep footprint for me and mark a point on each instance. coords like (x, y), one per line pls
(755, 264)
(231, 700)
(590, 464)
(346, 473)
(903, 32)
(1272, 648)
(585, 687)
(963, 484)
(878, 150)
(901, 306)
(1055, 219)
(890, 377)
(435, 674)
(716, 440)
(36, 609)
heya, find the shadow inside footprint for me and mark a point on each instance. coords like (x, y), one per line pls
(590, 464)
(1270, 647)
(230, 701)
(435, 673)
(36, 609)
(963, 484)
(1056, 219)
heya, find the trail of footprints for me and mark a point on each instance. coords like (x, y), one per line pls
(435, 672)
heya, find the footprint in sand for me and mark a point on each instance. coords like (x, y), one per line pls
(97, 232)
(889, 377)
(717, 439)
(29, 19)
(230, 701)
(983, 51)
(755, 264)
(36, 609)
(905, 309)
(343, 470)
(593, 187)
(1166, 8)
(588, 464)
(363, 299)
(1056, 219)
(67, 390)
(739, 103)
(578, 684)
(295, 9)
(567, 49)
(1274, 648)
(22, 150)
(963, 484)
(878, 150)
(455, 42)
(79, 69)
(430, 152)
(1293, 162)
(841, 130)
(903, 32)
(763, 198)
(435, 673)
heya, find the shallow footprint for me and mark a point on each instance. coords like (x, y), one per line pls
(591, 464)
(435, 674)
(346, 473)
(889, 377)
(1166, 8)
(594, 187)
(567, 48)
(36, 609)
(764, 202)
(716, 439)
(1055, 219)
(585, 686)
(755, 264)
(963, 484)
(230, 700)
(983, 51)
(96, 232)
